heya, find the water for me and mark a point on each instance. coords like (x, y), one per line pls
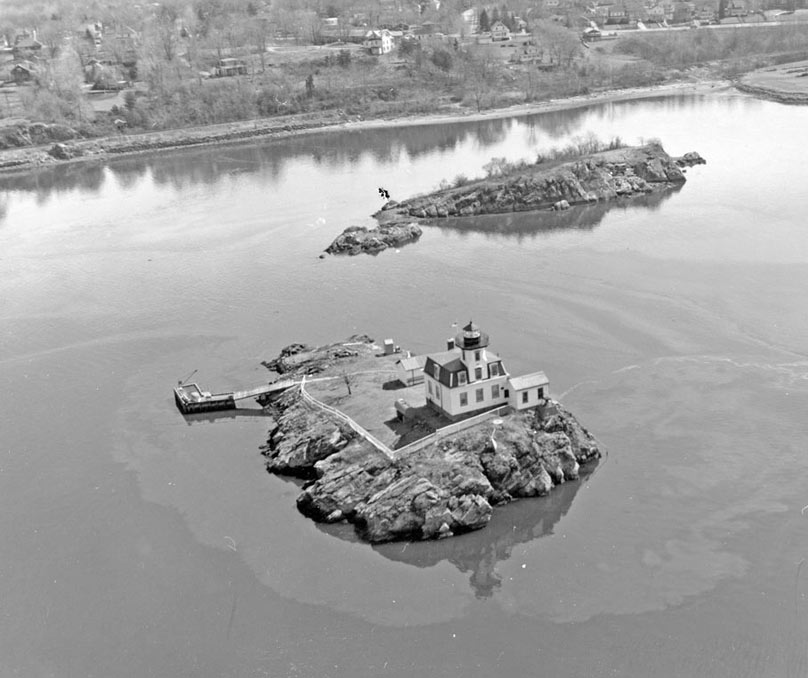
(136, 543)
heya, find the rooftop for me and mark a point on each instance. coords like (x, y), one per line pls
(444, 358)
(532, 380)
(415, 362)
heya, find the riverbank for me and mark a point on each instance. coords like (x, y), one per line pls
(786, 84)
(104, 149)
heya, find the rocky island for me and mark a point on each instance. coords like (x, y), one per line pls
(405, 478)
(608, 176)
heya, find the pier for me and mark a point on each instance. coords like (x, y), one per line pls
(190, 398)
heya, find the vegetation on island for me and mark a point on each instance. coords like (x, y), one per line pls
(578, 147)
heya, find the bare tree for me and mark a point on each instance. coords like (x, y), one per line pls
(479, 72)
(562, 45)
(165, 29)
(259, 32)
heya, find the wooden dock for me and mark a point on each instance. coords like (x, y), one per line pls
(191, 399)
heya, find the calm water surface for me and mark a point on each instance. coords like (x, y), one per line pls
(134, 542)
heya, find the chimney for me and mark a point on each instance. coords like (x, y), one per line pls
(450, 344)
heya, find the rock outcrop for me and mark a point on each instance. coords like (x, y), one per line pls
(301, 436)
(605, 176)
(444, 489)
(612, 175)
(359, 239)
(304, 359)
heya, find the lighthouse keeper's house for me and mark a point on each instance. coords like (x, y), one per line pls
(468, 378)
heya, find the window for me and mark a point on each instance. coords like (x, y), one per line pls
(477, 356)
(437, 391)
(478, 395)
(478, 373)
(461, 378)
(494, 369)
(429, 387)
(464, 399)
(524, 396)
(541, 393)
(437, 371)
(495, 391)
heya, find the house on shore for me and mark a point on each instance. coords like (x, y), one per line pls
(506, 45)
(23, 72)
(378, 42)
(229, 67)
(26, 46)
(469, 378)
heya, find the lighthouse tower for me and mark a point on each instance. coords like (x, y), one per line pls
(472, 344)
(466, 378)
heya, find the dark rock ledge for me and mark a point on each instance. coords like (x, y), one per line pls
(358, 239)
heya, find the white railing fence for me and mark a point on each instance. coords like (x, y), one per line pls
(378, 444)
(450, 429)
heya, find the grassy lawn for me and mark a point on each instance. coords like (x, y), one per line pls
(376, 382)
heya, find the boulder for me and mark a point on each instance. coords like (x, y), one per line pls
(60, 152)
(359, 239)
(690, 159)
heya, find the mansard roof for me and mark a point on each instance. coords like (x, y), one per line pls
(446, 358)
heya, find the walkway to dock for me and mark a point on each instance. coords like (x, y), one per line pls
(264, 390)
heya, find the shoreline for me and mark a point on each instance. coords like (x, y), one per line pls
(785, 83)
(28, 159)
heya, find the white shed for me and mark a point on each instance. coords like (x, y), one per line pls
(527, 390)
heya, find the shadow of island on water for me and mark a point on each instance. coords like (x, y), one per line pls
(522, 224)
(225, 415)
(478, 553)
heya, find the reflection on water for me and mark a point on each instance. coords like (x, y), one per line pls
(520, 224)
(479, 552)
(225, 415)
(206, 165)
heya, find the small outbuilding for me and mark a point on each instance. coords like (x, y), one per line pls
(23, 72)
(528, 390)
(414, 367)
(229, 67)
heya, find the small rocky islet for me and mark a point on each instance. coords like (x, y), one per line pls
(446, 488)
(612, 175)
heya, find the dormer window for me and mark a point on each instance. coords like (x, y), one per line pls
(494, 369)
(461, 378)
(437, 371)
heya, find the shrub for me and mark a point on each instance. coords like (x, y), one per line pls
(495, 167)
(442, 59)
(344, 58)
